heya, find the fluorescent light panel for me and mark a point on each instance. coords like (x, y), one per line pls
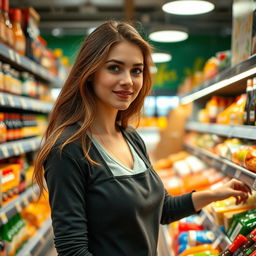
(168, 36)
(188, 7)
(159, 57)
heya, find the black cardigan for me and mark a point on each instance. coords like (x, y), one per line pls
(96, 213)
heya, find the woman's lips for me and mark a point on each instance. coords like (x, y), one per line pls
(123, 94)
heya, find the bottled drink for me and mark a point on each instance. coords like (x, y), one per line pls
(19, 38)
(8, 24)
(249, 91)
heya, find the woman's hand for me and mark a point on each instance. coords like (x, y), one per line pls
(233, 187)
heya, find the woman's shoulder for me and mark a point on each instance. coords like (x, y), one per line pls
(73, 148)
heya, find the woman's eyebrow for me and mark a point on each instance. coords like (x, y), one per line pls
(122, 63)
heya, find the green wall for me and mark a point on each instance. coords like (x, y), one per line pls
(187, 56)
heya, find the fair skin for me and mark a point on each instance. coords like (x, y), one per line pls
(116, 84)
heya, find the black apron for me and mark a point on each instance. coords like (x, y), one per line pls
(124, 212)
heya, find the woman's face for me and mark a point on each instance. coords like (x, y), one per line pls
(117, 83)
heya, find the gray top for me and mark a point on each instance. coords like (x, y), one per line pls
(117, 168)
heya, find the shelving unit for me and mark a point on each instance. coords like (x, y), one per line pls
(224, 165)
(24, 63)
(235, 131)
(16, 205)
(36, 244)
(222, 240)
(18, 147)
(232, 80)
(19, 102)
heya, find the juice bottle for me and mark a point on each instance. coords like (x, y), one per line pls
(8, 24)
(19, 37)
(3, 129)
(3, 32)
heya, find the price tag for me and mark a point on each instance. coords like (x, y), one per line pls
(11, 54)
(33, 145)
(2, 100)
(23, 103)
(20, 148)
(16, 149)
(33, 67)
(237, 173)
(17, 58)
(11, 101)
(18, 207)
(4, 218)
(26, 202)
(223, 167)
(5, 151)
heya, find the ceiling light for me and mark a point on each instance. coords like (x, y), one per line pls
(167, 36)
(159, 57)
(188, 7)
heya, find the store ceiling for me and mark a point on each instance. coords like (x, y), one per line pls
(76, 16)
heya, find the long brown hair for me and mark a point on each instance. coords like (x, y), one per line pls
(76, 100)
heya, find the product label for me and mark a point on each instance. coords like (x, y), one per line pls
(236, 231)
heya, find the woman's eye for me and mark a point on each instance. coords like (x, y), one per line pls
(114, 68)
(137, 71)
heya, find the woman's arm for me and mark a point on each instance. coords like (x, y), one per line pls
(232, 188)
(66, 184)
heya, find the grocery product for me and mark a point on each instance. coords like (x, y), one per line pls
(238, 242)
(220, 207)
(19, 37)
(246, 157)
(249, 95)
(8, 24)
(234, 114)
(242, 223)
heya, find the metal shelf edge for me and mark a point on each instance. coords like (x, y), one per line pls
(237, 131)
(37, 242)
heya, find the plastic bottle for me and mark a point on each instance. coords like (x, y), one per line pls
(3, 32)
(3, 129)
(19, 37)
(8, 24)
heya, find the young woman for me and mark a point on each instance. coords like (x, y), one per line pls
(106, 199)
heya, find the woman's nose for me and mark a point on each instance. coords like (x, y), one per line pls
(126, 79)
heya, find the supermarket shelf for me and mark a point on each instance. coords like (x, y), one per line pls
(18, 147)
(224, 165)
(19, 102)
(233, 78)
(24, 63)
(222, 240)
(16, 205)
(236, 131)
(38, 241)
